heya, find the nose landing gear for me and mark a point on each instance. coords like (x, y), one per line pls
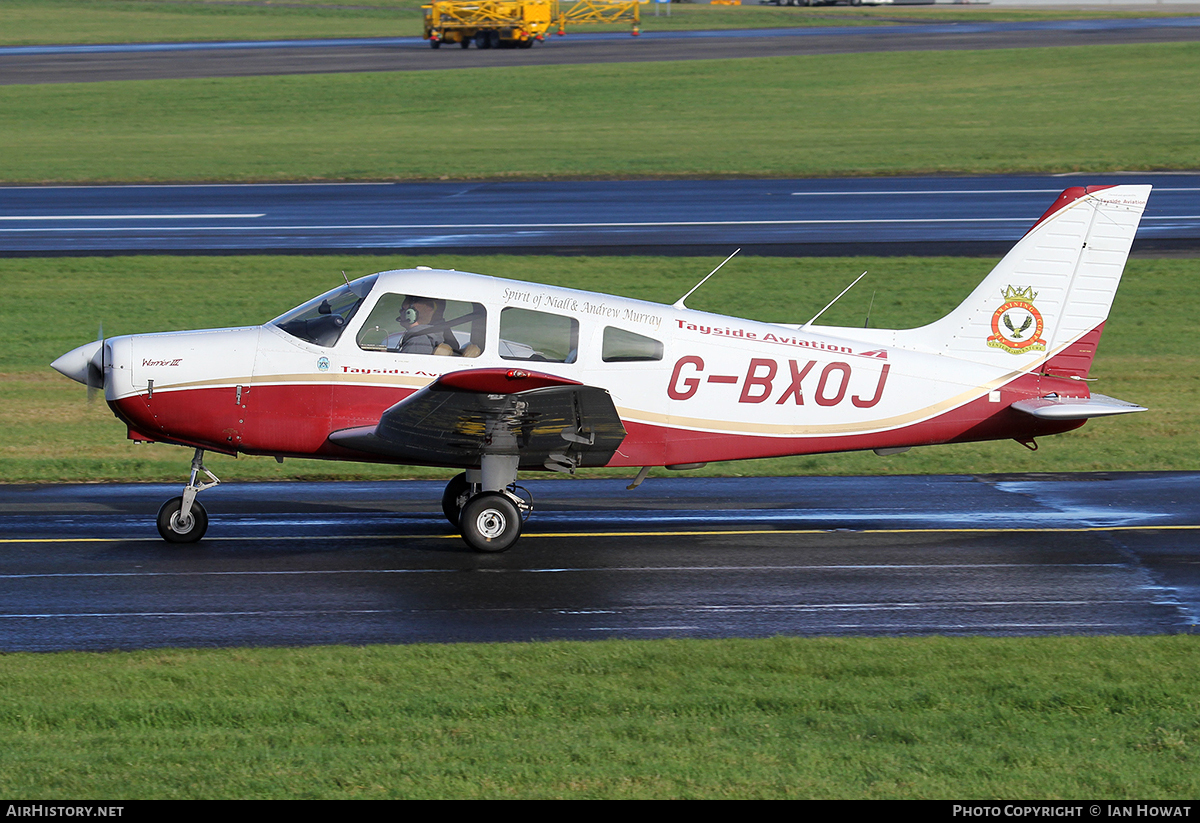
(183, 519)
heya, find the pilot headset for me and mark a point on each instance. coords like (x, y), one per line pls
(408, 314)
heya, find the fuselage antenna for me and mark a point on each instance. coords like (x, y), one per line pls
(834, 300)
(344, 277)
(679, 303)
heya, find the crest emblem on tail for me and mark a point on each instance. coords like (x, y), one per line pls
(1017, 325)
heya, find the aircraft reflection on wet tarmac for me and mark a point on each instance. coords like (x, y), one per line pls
(296, 563)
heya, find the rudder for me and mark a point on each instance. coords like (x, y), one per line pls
(1050, 295)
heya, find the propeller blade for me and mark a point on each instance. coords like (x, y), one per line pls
(96, 367)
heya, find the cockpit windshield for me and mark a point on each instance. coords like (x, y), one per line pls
(321, 320)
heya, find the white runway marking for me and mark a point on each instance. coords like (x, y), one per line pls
(40, 217)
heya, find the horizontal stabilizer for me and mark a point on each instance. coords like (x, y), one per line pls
(1075, 408)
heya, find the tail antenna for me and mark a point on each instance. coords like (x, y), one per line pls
(679, 303)
(834, 300)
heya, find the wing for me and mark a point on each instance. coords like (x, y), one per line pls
(550, 422)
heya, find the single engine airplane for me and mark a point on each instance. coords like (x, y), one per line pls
(445, 368)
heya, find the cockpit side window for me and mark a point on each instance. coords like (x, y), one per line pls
(321, 320)
(537, 335)
(621, 346)
(417, 324)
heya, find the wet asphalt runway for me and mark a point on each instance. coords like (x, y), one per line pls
(81, 567)
(896, 215)
(81, 64)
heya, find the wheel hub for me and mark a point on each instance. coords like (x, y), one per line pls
(491, 523)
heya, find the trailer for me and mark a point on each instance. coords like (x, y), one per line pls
(516, 23)
(599, 11)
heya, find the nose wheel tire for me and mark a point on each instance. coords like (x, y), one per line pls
(490, 522)
(175, 528)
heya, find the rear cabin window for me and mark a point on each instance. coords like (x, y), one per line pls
(417, 324)
(622, 346)
(537, 335)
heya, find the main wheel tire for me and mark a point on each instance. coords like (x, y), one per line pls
(175, 529)
(452, 498)
(490, 522)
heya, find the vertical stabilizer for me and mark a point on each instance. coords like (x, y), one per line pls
(1051, 291)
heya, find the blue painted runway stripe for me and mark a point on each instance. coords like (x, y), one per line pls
(216, 45)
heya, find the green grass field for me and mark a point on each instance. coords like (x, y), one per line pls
(1110, 108)
(962, 719)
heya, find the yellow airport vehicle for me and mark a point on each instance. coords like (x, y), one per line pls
(489, 23)
(517, 23)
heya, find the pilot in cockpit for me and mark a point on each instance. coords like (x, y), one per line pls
(424, 327)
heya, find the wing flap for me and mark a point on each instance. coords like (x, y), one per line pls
(454, 421)
(1075, 408)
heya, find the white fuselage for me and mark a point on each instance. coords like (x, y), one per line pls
(704, 387)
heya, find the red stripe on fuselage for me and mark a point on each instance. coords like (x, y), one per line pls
(296, 420)
(288, 420)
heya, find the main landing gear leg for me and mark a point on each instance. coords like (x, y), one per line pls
(183, 519)
(484, 504)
